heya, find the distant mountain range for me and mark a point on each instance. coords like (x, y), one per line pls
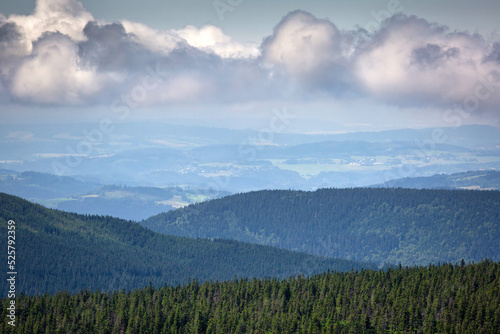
(473, 180)
(58, 251)
(166, 155)
(43, 186)
(81, 195)
(382, 225)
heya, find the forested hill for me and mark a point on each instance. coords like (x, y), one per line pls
(439, 299)
(394, 226)
(58, 251)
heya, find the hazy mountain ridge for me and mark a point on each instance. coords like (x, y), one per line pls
(135, 203)
(43, 186)
(84, 196)
(475, 180)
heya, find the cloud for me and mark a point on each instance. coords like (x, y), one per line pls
(209, 38)
(184, 87)
(311, 57)
(39, 58)
(109, 48)
(11, 40)
(52, 73)
(302, 46)
(411, 61)
(494, 56)
(212, 39)
(65, 16)
(407, 62)
(60, 55)
(157, 41)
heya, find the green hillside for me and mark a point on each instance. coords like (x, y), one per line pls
(392, 226)
(58, 251)
(436, 299)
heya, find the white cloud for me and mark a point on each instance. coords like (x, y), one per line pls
(60, 55)
(212, 39)
(208, 38)
(181, 88)
(52, 74)
(158, 41)
(302, 45)
(65, 16)
(413, 61)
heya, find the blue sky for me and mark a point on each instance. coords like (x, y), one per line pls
(356, 64)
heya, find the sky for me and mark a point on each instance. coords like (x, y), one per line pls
(333, 65)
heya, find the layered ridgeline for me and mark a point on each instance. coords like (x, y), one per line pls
(438, 299)
(379, 225)
(58, 251)
(78, 194)
(474, 180)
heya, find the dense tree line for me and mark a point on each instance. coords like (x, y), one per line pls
(436, 299)
(407, 226)
(58, 251)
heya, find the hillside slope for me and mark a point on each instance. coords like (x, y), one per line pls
(58, 251)
(381, 225)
